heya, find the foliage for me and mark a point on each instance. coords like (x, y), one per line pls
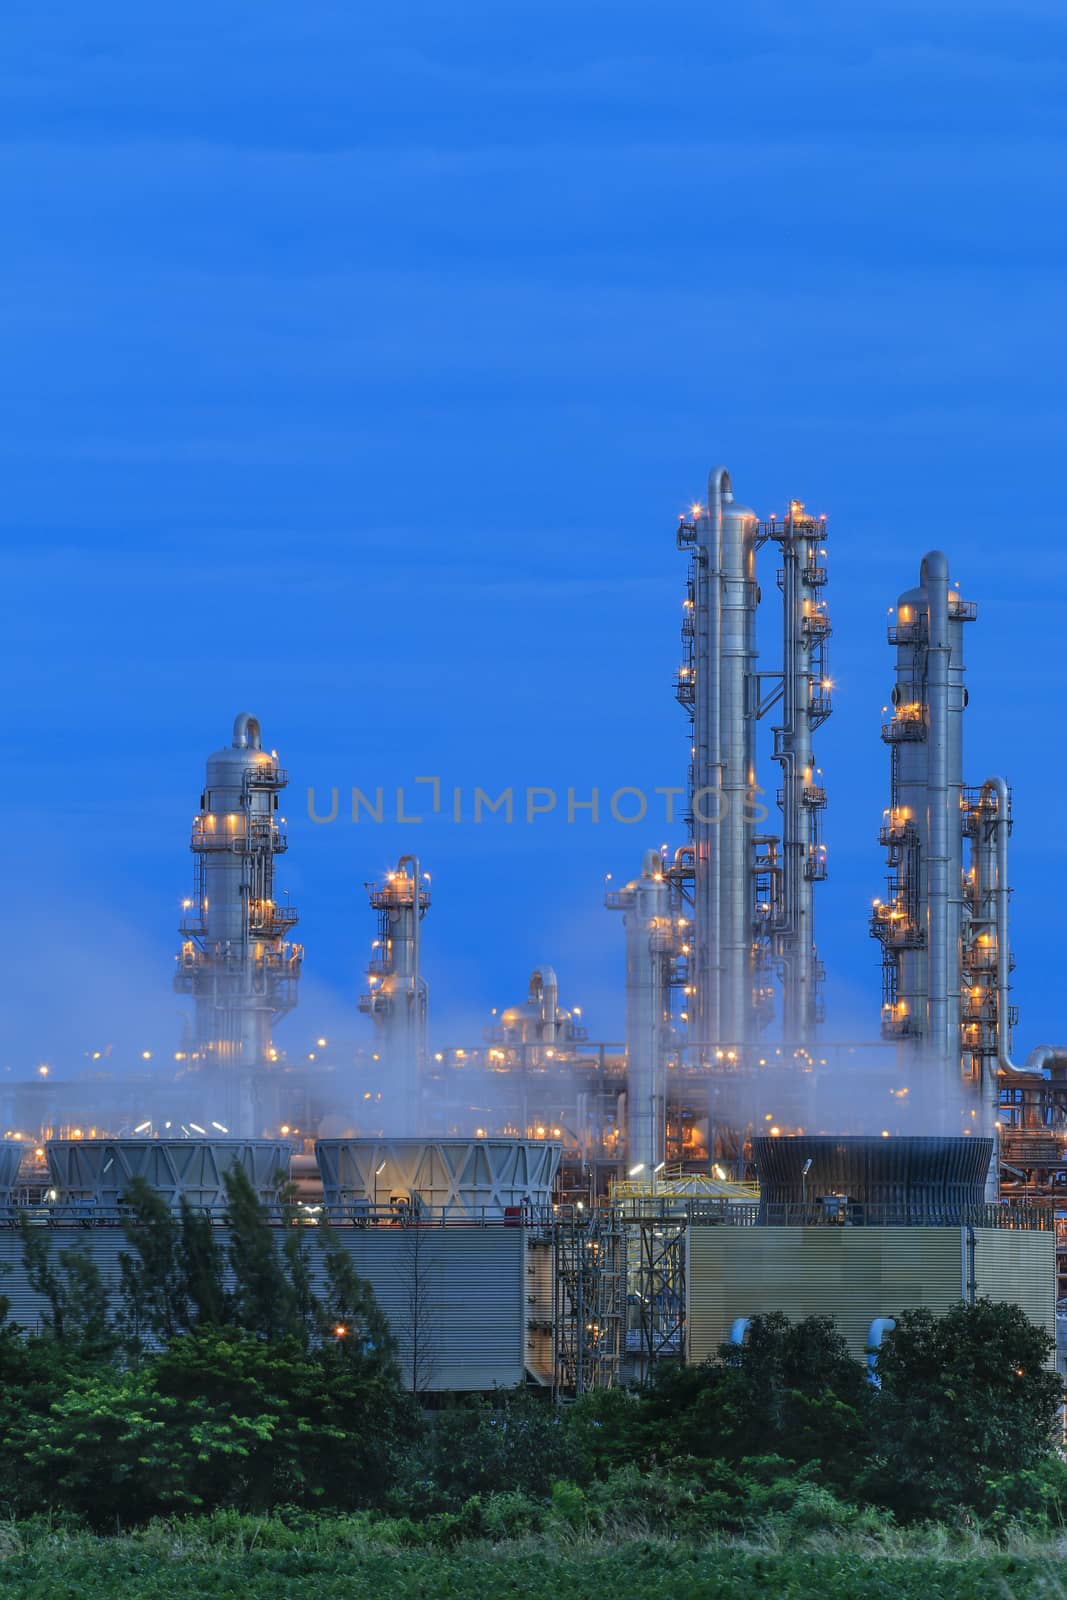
(76, 1298)
(308, 1557)
(964, 1400)
(202, 1267)
(517, 1442)
(154, 1295)
(282, 1391)
(265, 1300)
(349, 1311)
(791, 1388)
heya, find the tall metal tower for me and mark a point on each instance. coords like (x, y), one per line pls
(236, 959)
(943, 926)
(651, 945)
(751, 893)
(805, 706)
(397, 995)
(920, 921)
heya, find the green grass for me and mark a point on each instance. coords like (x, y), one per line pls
(325, 1559)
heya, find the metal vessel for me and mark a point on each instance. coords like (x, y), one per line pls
(236, 960)
(943, 923)
(919, 921)
(751, 892)
(397, 994)
(650, 955)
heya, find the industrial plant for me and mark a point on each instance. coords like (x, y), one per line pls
(572, 1209)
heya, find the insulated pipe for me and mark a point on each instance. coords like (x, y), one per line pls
(793, 741)
(246, 734)
(739, 527)
(909, 810)
(935, 578)
(1036, 1069)
(645, 904)
(706, 796)
(544, 992)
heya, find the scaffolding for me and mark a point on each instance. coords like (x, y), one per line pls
(589, 1300)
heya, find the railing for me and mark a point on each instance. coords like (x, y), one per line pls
(906, 632)
(268, 776)
(32, 1208)
(902, 729)
(847, 1213)
(37, 1211)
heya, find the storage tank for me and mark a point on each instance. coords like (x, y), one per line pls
(97, 1172)
(475, 1178)
(921, 1181)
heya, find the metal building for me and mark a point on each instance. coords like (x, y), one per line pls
(862, 1229)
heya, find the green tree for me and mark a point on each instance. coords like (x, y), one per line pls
(330, 1424)
(202, 1265)
(77, 1301)
(263, 1298)
(34, 1373)
(348, 1310)
(791, 1389)
(154, 1297)
(516, 1441)
(964, 1398)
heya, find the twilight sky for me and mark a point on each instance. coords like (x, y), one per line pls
(358, 360)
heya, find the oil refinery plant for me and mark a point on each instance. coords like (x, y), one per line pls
(577, 1209)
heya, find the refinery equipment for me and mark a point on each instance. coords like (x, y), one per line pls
(539, 1022)
(236, 959)
(468, 1178)
(943, 924)
(537, 1075)
(862, 1229)
(751, 893)
(397, 995)
(10, 1160)
(98, 1172)
(900, 1181)
(919, 923)
(651, 951)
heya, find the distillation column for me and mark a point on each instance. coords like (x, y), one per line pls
(717, 685)
(920, 923)
(648, 923)
(805, 701)
(989, 1018)
(397, 995)
(235, 958)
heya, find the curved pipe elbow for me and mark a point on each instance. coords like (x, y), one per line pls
(246, 732)
(1047, 1060)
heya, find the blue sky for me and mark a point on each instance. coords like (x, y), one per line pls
(358, 361)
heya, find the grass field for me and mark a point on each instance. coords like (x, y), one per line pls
(329, 1560)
